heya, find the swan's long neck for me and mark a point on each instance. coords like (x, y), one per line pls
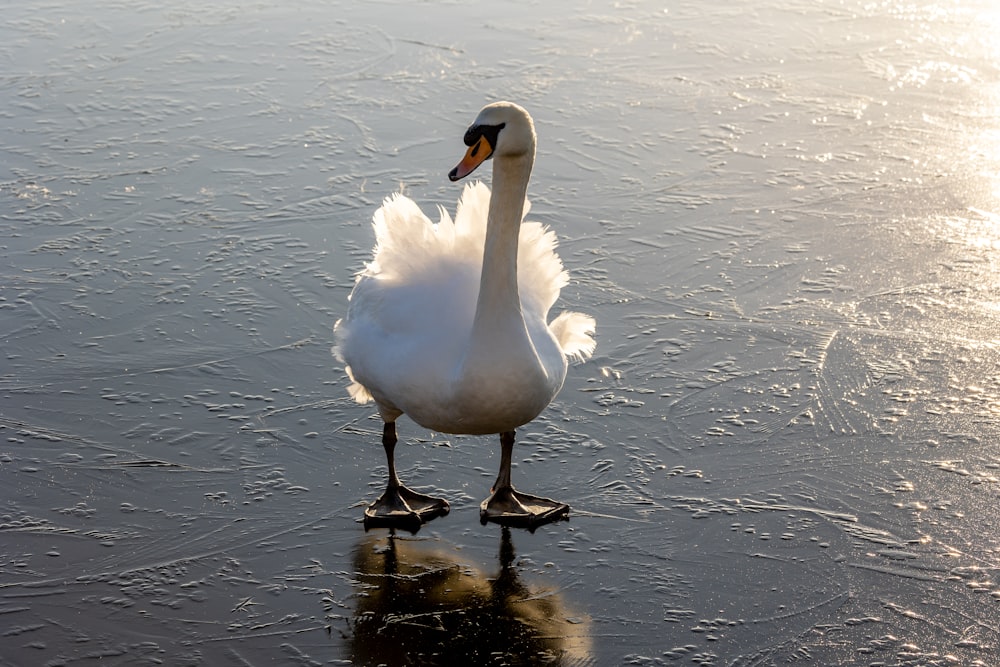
(499, 305)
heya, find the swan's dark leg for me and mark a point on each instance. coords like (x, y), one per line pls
(399, 506)
(510, 507)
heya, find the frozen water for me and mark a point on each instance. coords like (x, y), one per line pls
(785, 216)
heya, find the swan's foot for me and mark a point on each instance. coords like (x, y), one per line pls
(510, 507)
(400, 507)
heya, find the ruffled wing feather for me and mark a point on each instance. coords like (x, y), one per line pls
(414, 257)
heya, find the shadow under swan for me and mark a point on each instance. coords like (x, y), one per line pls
(419, 605)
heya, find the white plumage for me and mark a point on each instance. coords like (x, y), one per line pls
(448, 323)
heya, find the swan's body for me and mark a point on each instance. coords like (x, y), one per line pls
(448, 322)
(411, 338)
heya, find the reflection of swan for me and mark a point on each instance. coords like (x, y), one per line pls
(419, 606)
(448, 322)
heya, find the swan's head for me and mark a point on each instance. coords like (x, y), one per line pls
(502, 129)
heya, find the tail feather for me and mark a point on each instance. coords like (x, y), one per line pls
(574, 332)
(358, 391)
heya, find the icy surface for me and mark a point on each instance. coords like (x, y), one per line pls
(785, 216)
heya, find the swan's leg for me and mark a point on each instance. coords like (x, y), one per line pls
(510, 507)
(399, 506)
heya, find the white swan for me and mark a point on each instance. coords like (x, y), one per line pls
(447, 323)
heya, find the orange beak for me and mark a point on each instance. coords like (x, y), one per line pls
(478, 153)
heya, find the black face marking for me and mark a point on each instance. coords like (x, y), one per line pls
(472, 138)
(490, 132)
(472, 134)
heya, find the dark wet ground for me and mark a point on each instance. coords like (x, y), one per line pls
(784, 217)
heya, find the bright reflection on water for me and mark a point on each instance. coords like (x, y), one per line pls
(783, 214)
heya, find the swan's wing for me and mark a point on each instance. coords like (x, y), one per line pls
(540, 278)
(471, 215)
(540, 272)
(406, 241)
(413, 303)
(409, 248)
